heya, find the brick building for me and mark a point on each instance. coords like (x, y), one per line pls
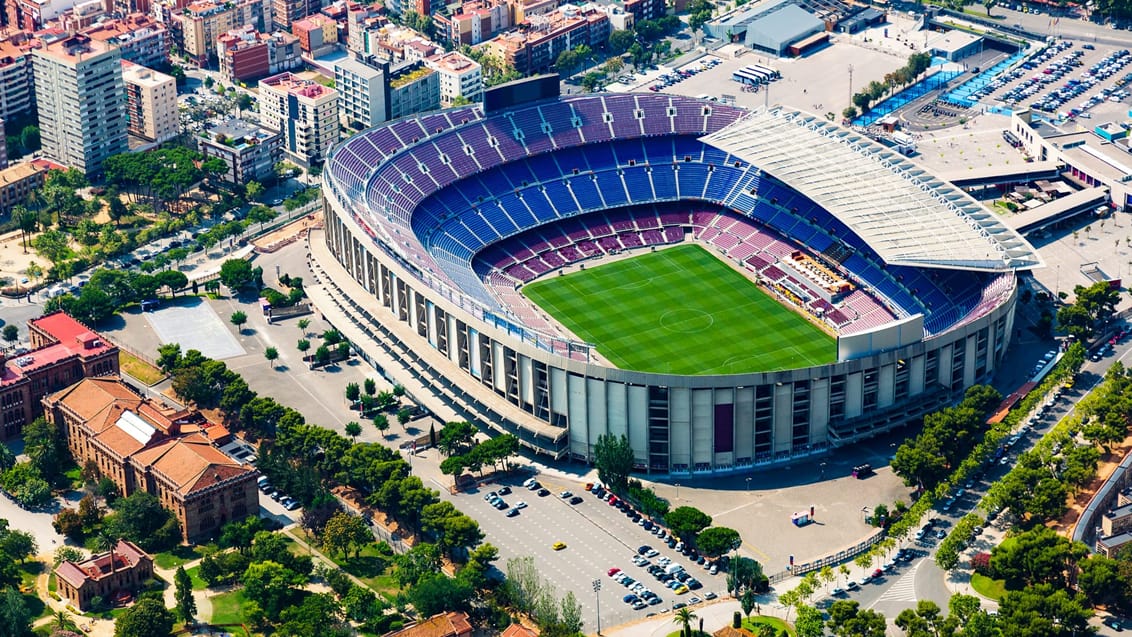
(63, 351)
(169, 453)
(16, 182)
(536, 46)
(104, 575)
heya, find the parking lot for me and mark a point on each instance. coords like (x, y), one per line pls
(597, 537)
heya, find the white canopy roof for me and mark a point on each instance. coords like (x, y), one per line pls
(906, 215)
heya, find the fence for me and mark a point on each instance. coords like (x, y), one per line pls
(829, 560)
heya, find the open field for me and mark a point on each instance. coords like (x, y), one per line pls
(681, 311)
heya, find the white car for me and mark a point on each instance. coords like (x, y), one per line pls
(520, 504)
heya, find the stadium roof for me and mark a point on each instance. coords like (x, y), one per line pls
(908, 216)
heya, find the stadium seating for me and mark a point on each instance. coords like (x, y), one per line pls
(501, 198)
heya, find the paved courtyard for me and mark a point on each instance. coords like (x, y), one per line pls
(195, 325)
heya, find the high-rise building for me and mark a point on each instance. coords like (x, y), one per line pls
(460, 77)
(287, 12)
(151, 103)
(17, 84)
(305, 112)
(200, 24)
(82, 102)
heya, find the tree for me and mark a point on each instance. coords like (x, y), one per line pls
(403, 416)
(849, 113)
(18, 545)
(253, 189)
(236, 274)
(147, 618)
(271, 585)
(809, 622)
(44, 447)
(436, 593)
(1043, 611)
(353, 430)
(15, 617)
(303, 345)
(67, 554)
(238, 319)
(718, 540)
(846, 619)
(186, 605)
(747, 601)
(303, 324)
(271, 354)
(684, 618)
(1101, 581)
(322, 355)
(686, 522)
(614, 459)
(62, 622)
(11, 333)
(381, 421)
(344, 532)
(370, 386)
(1037, 556)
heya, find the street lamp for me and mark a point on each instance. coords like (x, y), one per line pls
(865, 510)
(748, 485)
(677, 490)
(597, 594)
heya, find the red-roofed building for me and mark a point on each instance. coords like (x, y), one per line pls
(123, 569)
(140, 444)
(63, 352)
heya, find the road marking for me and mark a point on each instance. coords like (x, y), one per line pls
(903, 590)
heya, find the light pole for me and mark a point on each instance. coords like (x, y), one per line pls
(865, 510)
(597, 594)
(748, 485)
(677, 490)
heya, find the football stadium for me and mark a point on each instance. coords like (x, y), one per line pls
(729, 288)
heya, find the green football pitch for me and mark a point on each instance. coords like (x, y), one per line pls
(681, 311)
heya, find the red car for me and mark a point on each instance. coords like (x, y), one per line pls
(613, 571)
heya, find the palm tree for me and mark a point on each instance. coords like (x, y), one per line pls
(106, 542)
(843, 570)
(62, 621)
(684, 617)
(303, 325)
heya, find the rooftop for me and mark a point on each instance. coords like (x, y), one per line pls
(127, 29)
(295, 85)
(72, 339)
(75, 48)
(313, 21)
(143, 75)
(126, 555)
(454, 62)
(19, 172)
(908, 216)
(410, 77)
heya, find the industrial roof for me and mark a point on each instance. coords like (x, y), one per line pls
(905, 214)
(783, 27)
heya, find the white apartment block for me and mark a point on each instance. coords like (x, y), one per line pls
(460, 76)
(305, 112)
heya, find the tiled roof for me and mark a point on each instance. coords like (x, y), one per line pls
(191, 463)
(519, 630)
(443, 625)
(71, 574)
(92, 396)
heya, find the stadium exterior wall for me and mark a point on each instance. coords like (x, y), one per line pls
(675, 424)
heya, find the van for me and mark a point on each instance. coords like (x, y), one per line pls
(673, 569)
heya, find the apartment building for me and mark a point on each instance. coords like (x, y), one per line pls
(305, 112)
(140, 39)
(460, 78)
(249, 151)
(246, 55)
(536, 46)
(200, 25)
(17, 84)
(361, 19)
(151, 103)
(392, 43)
(82, 102)
(140, 444)
(286, 12)
(316, 33)
(63, 351)
(473, 23)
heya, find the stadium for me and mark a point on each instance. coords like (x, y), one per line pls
(729, 288)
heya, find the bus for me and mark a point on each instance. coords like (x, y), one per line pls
(771, 73)
(749, 76)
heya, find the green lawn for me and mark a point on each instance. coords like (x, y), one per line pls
(194, 575)
(987, 587)
(777, 624)
(681, 311)
(228, 608)
(176, 557)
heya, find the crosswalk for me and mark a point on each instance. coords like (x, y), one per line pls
(904, 589)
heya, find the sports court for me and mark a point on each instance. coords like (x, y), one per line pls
(195, 326)
(681, 311)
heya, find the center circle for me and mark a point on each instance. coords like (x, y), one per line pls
(686, 321)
